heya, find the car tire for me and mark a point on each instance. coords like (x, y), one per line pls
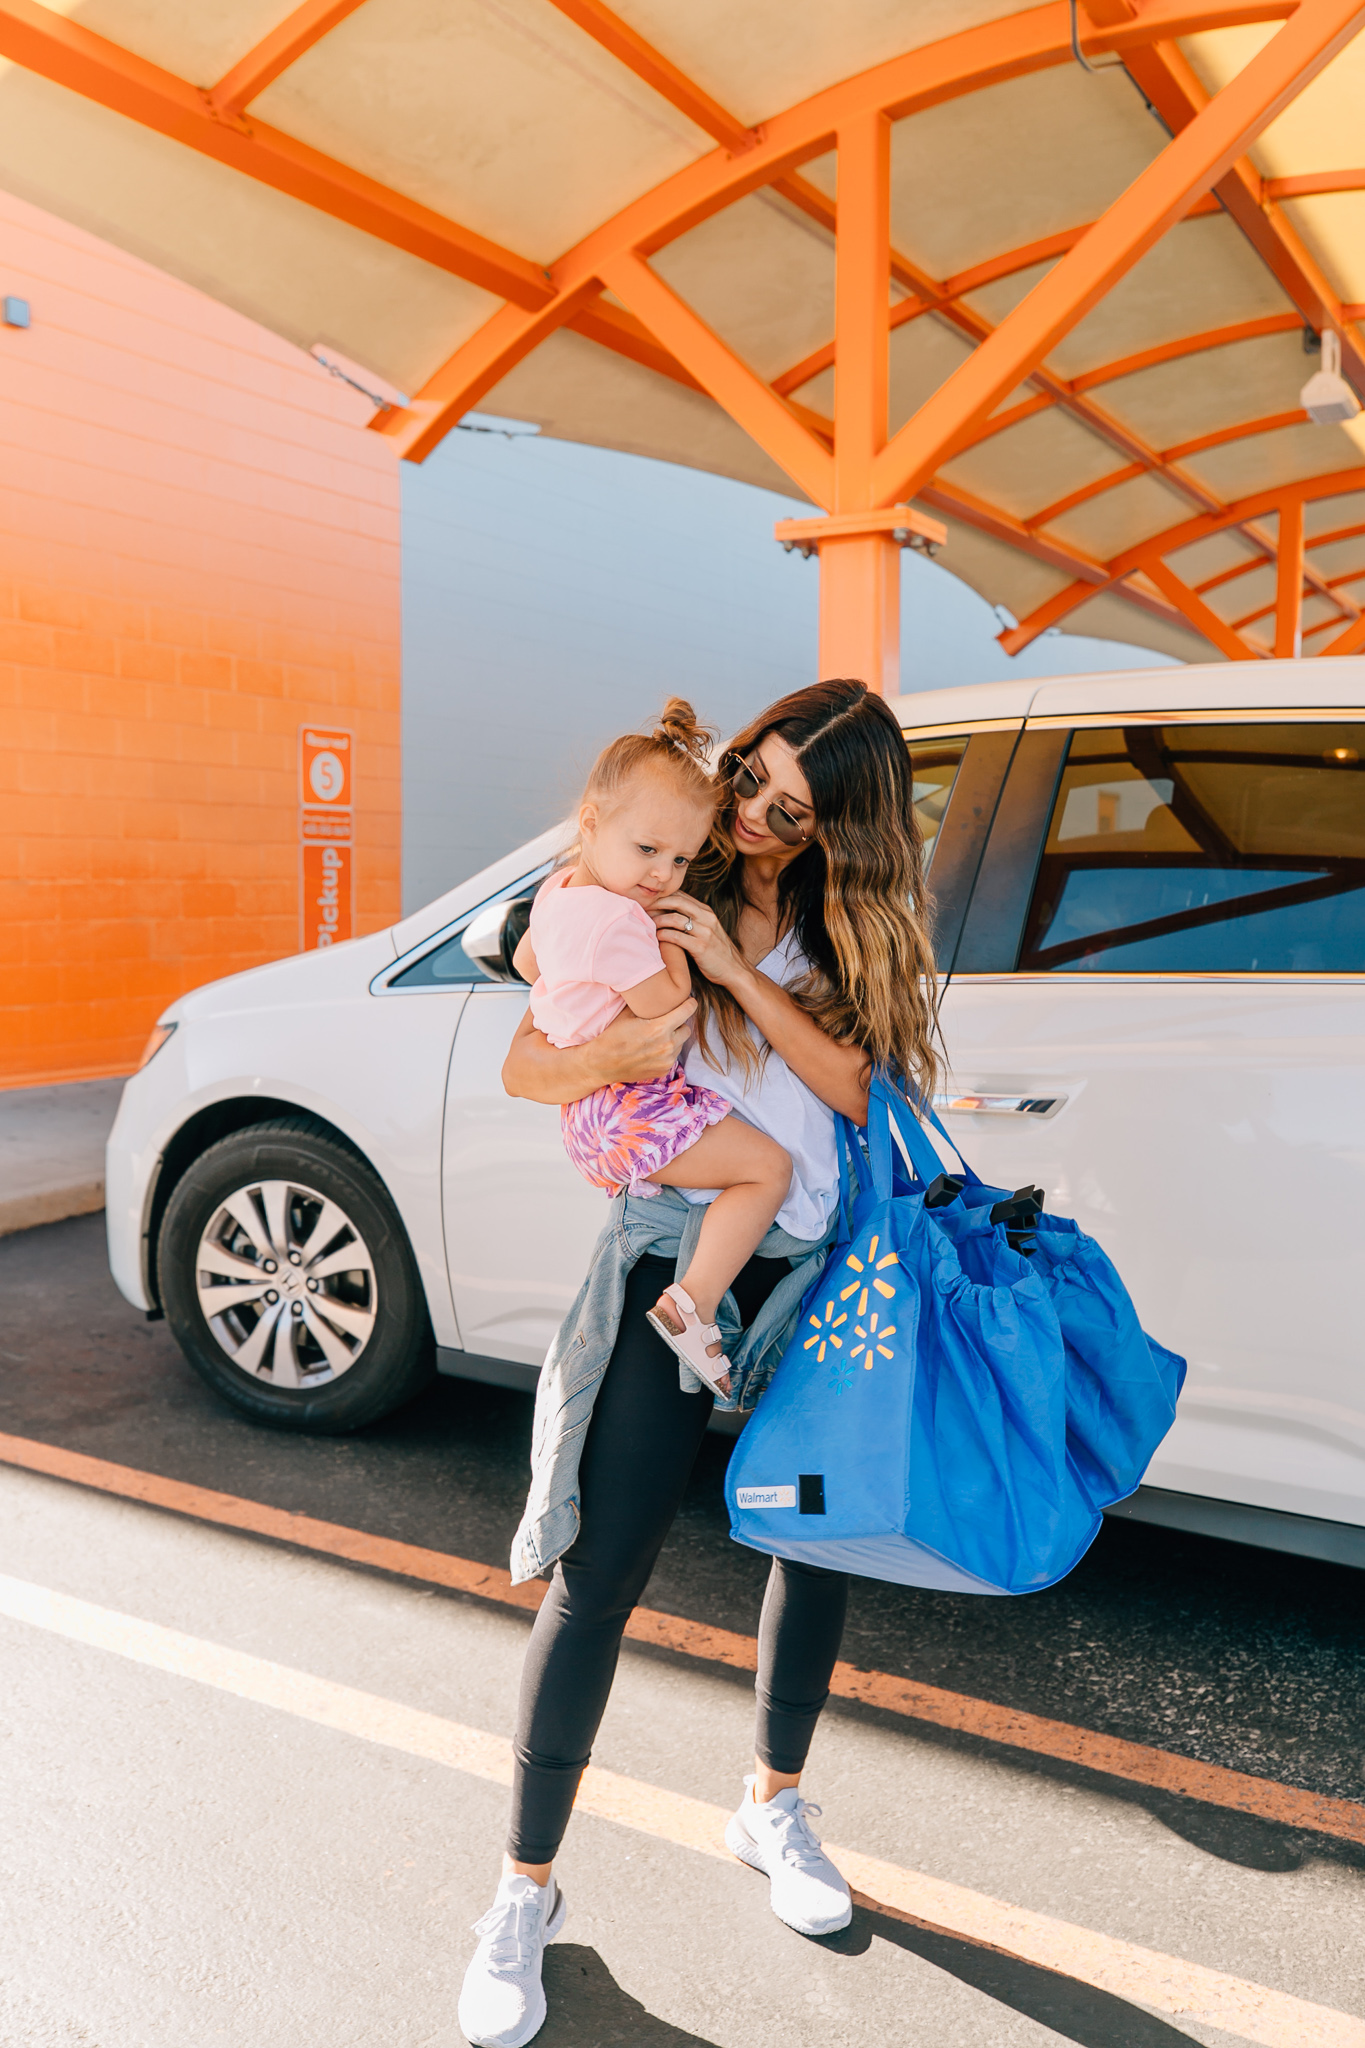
(246, 1224)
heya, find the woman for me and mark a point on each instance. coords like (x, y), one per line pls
(808, 935)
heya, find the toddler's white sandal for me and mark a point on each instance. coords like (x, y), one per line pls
(691, 1338)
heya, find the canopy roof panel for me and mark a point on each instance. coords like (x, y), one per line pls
(1069, 286)
(481, 93)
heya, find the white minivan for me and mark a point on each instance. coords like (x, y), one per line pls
(1150, 923)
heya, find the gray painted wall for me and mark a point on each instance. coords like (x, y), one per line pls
(554, 595)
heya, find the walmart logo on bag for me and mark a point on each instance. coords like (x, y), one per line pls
(869, 1337)
(808, 1495)
(765, 1496)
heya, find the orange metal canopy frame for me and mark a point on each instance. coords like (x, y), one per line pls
(851, 466)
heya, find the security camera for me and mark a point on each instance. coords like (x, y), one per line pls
(1327, 398)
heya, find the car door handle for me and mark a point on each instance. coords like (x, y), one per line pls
(999, 1105)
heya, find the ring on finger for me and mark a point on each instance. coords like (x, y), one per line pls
(687, 924)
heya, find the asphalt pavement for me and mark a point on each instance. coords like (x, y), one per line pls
(263, 1800)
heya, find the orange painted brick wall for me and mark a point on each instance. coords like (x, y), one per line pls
(199, 551)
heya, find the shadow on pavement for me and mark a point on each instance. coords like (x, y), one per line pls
(588, 2008)
(1077, 2012)
(1246, 1839)
(1228, 1655)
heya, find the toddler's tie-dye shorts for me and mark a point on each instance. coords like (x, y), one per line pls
(620, 1134)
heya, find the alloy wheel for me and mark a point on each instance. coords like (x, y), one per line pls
(286, 1284)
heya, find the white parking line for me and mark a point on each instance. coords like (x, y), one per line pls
(1164, 1983)
(1164, 1769)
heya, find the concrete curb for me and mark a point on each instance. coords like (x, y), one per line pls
(50, 1205)
(52, 1141)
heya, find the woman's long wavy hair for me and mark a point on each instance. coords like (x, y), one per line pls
(855, 897)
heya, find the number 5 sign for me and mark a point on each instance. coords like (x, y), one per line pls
(324, 766)
(325, 850)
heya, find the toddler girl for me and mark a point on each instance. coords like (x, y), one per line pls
(592, 951)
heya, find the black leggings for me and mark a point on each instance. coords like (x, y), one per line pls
(637, 1456)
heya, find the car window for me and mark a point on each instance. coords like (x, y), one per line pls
(449, 963)
(1205, 849)
(934, 765)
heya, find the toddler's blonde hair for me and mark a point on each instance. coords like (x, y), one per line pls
(679, 747)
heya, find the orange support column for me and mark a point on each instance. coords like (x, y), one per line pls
(860, 587)
(1289, 581)
(860, 609)
(862, 308)
(860, 596)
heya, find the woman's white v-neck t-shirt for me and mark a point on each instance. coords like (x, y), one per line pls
(779, 1104)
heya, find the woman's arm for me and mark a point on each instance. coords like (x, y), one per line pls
(838, 1074)
(630, 1049)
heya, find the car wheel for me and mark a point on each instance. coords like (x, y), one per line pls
(289, 1283)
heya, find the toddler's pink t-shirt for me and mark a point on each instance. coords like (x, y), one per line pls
(589, 947)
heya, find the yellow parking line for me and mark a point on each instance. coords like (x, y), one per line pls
(1187, 1991)
(1113, 1755)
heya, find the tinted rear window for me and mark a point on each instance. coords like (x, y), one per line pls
(934, 765)
(1216, 849)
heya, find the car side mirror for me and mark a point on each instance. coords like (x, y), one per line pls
(493, 936)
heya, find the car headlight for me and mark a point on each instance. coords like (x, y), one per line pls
(160, 1033)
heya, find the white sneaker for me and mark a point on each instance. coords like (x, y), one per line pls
(502, 2004)
(806, 1890)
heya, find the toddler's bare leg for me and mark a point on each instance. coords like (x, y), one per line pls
(753, 1175)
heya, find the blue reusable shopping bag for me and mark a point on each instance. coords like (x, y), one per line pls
(952, 1411)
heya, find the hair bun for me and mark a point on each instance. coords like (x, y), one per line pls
(678, 724)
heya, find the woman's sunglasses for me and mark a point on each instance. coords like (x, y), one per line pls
(746, 786)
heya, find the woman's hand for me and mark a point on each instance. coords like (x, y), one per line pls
(715, 953)
(838, 1074)
(630, 1049)
(643, 1048)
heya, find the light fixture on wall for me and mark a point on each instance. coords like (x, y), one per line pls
(1327, 398)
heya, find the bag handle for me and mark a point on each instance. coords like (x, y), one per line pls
(845, 1138)
(870, 1142)
(924, 1160)
(888, 1107)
